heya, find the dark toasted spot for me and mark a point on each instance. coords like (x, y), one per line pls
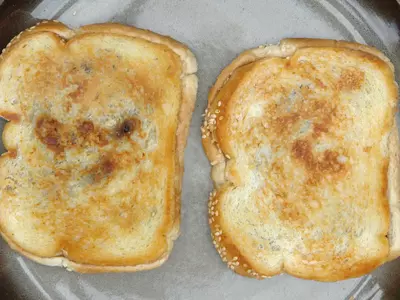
(88, 133)
(86, 68)
(329, 162)
(86, 127)
(48, 130)
(50, 140)
(108, 166)
(59, 137)
(317, 165)
(100, 138)
(320, 128)
(103, 169)
(127, 127)
(351, 79)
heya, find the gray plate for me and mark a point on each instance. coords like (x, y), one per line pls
(216, 31)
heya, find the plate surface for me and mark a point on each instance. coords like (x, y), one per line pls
(216, 31)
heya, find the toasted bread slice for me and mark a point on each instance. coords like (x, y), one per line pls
(304, 152)
(99, 118)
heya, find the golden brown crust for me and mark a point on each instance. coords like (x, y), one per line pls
(286, 48)
(188, 97)
(225, 247)
(61, 261)
(187, 57)
(297, 43)
(188, 101)
(45, 26)
(394, 192)
(244, 58)
(218, 151)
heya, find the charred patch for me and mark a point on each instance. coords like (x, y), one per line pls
(58, 137)
(49, 131)
(127, 127)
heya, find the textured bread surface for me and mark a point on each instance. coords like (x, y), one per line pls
(304, 152)
(99, 118)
